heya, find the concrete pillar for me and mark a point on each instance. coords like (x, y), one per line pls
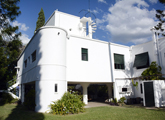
(85, 92)
(23, 92)
(115, 90)
(109, 85)
(20, 90)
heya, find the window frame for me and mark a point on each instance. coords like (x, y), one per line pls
(139, 57)
(84, 51)
(124, 89)
(25, 63)
(141, 88)
(33, 56)
(56, 88)
(116, 66)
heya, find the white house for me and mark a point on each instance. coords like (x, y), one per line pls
(62, 52)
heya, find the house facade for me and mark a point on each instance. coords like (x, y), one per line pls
(62, 52)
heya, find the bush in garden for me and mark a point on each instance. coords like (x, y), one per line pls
(114, 102)
(30, 100)
(122, 100)
(6, 98)
(69, 103)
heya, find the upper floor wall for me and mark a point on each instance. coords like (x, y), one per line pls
(120, 56)
(83, 27)
(88, 60)
(139, 56)
(39, 60)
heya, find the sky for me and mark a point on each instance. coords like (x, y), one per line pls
(126, 22)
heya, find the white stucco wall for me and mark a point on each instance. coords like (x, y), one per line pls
(123, 50)
(138, 49)
(96, 69)
(51, 20)
(49, 68)
(137, 90)
(120, 73)
(67, 22)
(158, 85)
(161, 49)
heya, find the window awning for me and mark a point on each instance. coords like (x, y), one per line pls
(141, 60)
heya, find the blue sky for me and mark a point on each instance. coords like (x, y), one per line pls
(126, 22)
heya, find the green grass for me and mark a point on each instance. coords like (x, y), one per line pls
(17, 112)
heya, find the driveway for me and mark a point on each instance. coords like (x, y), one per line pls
(96, 104)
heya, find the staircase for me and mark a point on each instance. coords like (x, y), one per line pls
(11, 85)
(15, 96)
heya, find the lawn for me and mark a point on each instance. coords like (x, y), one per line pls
(17, 112)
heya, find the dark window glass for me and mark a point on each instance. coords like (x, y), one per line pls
(34, 56)
(25, 62)
(119, 61)
(84, 54)
(124, 89)
(55, 87)
(141, 88)
(141, 60)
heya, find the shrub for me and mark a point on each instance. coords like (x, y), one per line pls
(6, 98)
(122, 100)
(114, 102)
(69, 103)
(153, 72)
(29, 102)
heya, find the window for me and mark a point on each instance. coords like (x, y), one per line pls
(55, 89)
(124, 89)
(25, 62)
(84, 53)
(118, 61)
(141, 60)
(141, 88)
(29, 58)
(34, 56)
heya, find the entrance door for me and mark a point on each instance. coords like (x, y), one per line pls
(149, 94)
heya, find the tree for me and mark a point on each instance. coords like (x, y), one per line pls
(161, 17)
(153, 72)
(9, 41)
(41, 20)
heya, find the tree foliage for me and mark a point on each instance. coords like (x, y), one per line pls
(9, 42)
(41, 19)
(153, 72)
(161, 17)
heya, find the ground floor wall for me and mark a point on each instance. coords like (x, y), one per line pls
(48, 91)
(141, 92)
(45, 92)
(123, 88)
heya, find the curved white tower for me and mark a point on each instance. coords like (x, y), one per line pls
(51, 84)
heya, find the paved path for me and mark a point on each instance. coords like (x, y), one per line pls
(96, 104)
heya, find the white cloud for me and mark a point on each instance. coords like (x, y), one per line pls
(102, 1)
(153, 1)
(97, 11)
(24, 38)
(128, 21)
(22, 26)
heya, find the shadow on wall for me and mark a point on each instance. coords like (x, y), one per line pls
(31, 73)
(20, 113)
(162, 54)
